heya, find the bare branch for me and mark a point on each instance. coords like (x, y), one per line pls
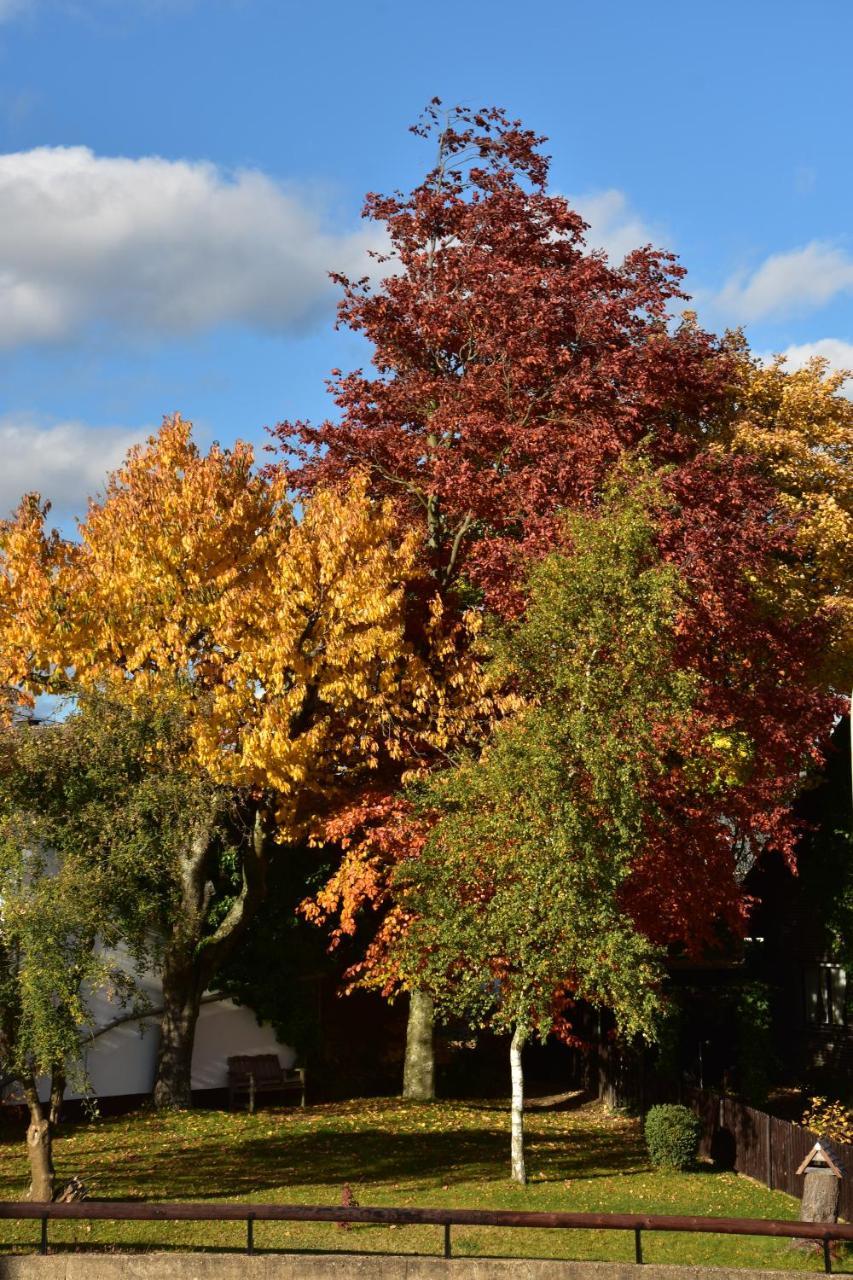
(142, 1015)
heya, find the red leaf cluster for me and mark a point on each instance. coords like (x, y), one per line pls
(512, 365)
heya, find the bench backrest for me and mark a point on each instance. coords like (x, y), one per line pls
(265, 1067)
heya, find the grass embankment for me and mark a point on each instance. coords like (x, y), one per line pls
(452, 1154)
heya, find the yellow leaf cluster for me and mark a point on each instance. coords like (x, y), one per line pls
(355, 686)
(175, 534)
(829, 1119)
(799, 427)
(308, 647)
(31, 562)
(321, 680)
(725, 760)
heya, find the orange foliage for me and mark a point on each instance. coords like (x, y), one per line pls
(374, 834)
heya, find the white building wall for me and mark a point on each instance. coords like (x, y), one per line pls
(122, 1061)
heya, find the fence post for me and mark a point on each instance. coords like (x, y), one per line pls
(638, 1244)
(250, 1233)
(43, 1244)
(447, 1239)
(827, 1256)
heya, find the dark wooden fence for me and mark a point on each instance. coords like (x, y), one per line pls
(765, 1148)
(821, 1233)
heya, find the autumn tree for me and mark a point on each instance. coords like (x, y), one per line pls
(513, 370)
(284, 640)
(513, 365)
(797, 426)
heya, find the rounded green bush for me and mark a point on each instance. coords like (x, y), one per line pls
(672, 1136)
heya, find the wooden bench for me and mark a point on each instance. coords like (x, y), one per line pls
(262, 1073)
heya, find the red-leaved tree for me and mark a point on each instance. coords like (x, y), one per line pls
(514, 369)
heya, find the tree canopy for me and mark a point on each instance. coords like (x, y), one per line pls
(514, 372)
(289, 648)
(650, 527)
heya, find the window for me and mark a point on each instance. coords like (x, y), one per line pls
(826, 995)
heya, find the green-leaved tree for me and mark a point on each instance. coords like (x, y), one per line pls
(99, 816)
(56, 927)
(516, 899)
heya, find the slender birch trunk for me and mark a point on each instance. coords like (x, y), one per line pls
(419, 1068)
(519, 1173)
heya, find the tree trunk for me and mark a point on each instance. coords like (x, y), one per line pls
(39, 1148)
(519, 1173)
(40, 1155)
(181, 1003)
(419, 1069)
(57, 1094)
(192, 958)
(820, 1196)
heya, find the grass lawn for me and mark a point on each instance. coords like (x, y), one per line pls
(452, 1154)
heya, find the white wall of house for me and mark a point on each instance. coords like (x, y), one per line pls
(122, 1060)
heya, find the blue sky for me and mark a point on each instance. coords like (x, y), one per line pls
(177, 176)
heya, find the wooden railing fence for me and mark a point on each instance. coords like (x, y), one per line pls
(822, 1233)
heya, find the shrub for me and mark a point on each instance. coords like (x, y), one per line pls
(672, 1136)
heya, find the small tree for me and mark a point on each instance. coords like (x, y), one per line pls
(53, 909)
(516, 897)
(116, 794)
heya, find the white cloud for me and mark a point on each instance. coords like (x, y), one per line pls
(65, 462)
(836, 351)
(159, 247)
(613, 226)
(802, 279)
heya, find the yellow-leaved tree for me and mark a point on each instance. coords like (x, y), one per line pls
(798, 426)
(32, 560)
(306, 651)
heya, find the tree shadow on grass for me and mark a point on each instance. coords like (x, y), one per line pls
(214, 1169)
(322, 1159)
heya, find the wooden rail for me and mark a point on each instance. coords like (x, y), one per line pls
(185, 1211)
